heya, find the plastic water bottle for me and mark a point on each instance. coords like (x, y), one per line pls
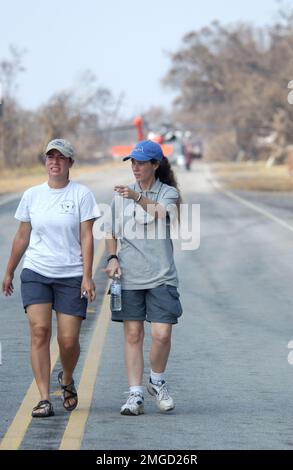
(116, 293)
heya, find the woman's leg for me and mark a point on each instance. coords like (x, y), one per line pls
(160, 349)
(161, 345)
(133, 351)
(68, 339)
(40, 322)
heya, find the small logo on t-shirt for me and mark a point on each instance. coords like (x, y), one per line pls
(67, 207)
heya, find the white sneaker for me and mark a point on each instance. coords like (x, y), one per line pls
(162, 396)
(133, 405)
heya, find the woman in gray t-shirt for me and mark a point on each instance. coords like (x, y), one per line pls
(141, 215)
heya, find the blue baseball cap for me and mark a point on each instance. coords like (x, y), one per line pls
(146, 150)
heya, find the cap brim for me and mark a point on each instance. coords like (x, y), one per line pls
(138, 157)
(60, 149)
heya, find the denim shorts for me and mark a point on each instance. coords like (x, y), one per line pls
(62, 293)
(160, 305)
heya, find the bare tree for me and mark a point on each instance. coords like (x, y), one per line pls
(78, 114)
(9, 120)
(234, 79)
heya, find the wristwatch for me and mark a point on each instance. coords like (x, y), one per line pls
(112, 257)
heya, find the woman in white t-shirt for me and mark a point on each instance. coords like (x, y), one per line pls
(55, 233)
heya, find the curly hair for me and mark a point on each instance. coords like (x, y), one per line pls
(166, 175)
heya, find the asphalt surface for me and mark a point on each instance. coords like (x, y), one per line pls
(228, 369)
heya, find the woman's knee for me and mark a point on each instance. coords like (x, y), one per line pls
(68, 343)
(40, 335)
(161, 337)
(134, 334)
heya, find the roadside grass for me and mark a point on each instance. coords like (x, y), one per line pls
(252, 176)
(19, 179)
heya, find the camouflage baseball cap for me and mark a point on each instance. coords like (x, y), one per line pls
(62, 145)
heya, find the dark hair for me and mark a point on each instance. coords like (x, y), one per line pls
(166, 175)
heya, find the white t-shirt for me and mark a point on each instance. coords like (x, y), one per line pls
(55, 215)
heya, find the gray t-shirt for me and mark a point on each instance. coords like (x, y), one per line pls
(146, 249)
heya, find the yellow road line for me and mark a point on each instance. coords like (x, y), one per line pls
(98, 255)
(16, 431)
(74, 431)
(15, 434)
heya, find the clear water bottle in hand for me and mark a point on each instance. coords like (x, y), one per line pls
(116, 293)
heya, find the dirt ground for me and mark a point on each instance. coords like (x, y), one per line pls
(22, 178)
(254, 176)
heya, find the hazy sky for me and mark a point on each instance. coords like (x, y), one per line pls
(125, 43)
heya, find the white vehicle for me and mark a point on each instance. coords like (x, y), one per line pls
(177, 157)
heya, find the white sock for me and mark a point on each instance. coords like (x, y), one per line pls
(136, 388)
(157, 377)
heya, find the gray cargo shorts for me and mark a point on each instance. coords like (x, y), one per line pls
(160, 305)
(62, 293)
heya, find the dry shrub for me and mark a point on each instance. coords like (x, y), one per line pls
(222, 147)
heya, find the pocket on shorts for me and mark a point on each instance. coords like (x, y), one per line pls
(176, 307)
(27, 275)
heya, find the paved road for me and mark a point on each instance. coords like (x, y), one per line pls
(228, 369)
